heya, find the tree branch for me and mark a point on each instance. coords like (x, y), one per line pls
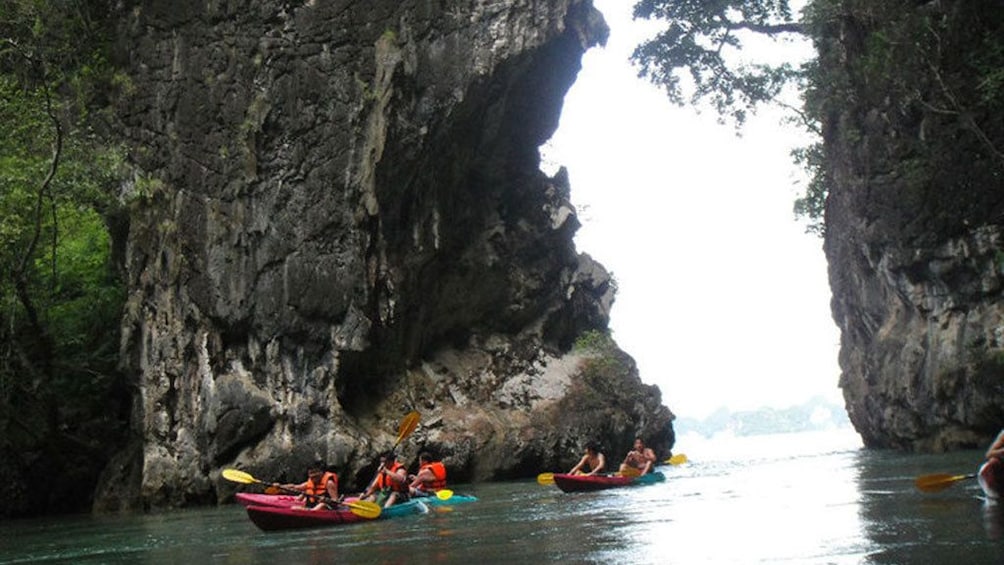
(768, 29)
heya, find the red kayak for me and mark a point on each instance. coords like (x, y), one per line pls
(256, 499)
(586, 483)
(271, 518)
(991, 478)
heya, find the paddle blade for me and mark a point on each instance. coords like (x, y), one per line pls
(678, 459)
(545, 479)
(939, 481)
(408, 425)
(630, 472)
(444, 494)
(365, 509)
(239, 477)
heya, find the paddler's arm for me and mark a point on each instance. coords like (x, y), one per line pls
(997, 447)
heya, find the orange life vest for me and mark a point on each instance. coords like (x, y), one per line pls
(319, 489)
(384, 482)
(438, 471)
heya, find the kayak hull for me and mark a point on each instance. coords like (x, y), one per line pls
(278, 512)
(272, 518)
(257, 499)
(455, 499)
(991, 479)
(288, 500)
(589, 483)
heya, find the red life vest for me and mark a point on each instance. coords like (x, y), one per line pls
(384, 482)
(321, 488)
(438, 471)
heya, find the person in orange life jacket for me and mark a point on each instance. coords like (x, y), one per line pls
(391, 481)
(641, 458)
(593, 458)
(431, 476)
(319, 491)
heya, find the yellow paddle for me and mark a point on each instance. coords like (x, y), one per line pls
(545, 479)
(408, 425)
(630, 472)
(360, 508)
(444, 494)
(939, 481)
(678, 459)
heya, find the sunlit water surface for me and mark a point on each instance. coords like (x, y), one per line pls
(798, 498)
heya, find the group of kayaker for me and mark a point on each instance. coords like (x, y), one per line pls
(390, 485)
(639, 460)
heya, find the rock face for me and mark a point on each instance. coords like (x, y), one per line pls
(913, 220)
(338, 217)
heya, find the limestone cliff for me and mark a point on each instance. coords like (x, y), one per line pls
(337, 217)
(915, 157)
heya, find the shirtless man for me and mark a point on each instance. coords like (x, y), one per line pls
(640, 458)
(593, 458)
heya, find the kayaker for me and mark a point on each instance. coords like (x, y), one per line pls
(319, 491)
(431, 476)
(640, 458)
(996, 450)
(390, 482)
(991, 473)
(593, 458)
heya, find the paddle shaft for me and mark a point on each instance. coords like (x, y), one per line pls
(408, 425)
(939, 481)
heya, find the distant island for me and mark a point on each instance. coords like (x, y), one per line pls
(812, 415)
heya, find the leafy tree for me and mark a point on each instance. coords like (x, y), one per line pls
(925, 66)
(61, 398)
(701, 39)
(695, 59)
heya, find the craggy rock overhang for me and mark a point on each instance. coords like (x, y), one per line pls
(338, 216)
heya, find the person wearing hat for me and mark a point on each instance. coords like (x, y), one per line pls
(390, 483)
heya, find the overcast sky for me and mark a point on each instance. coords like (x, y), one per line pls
(723, 297)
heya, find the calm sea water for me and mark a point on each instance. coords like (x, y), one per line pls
(798, 498)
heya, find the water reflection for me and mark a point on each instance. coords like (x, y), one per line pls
(905, 525)
(752, 500)
(796, 499)
(993, 520)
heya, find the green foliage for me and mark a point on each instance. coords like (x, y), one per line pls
(695, 52)
(606, 361)
(63, 403)
(910, 86)
(812, 204)
(595, 341)
(695, 59)
(917, 91)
